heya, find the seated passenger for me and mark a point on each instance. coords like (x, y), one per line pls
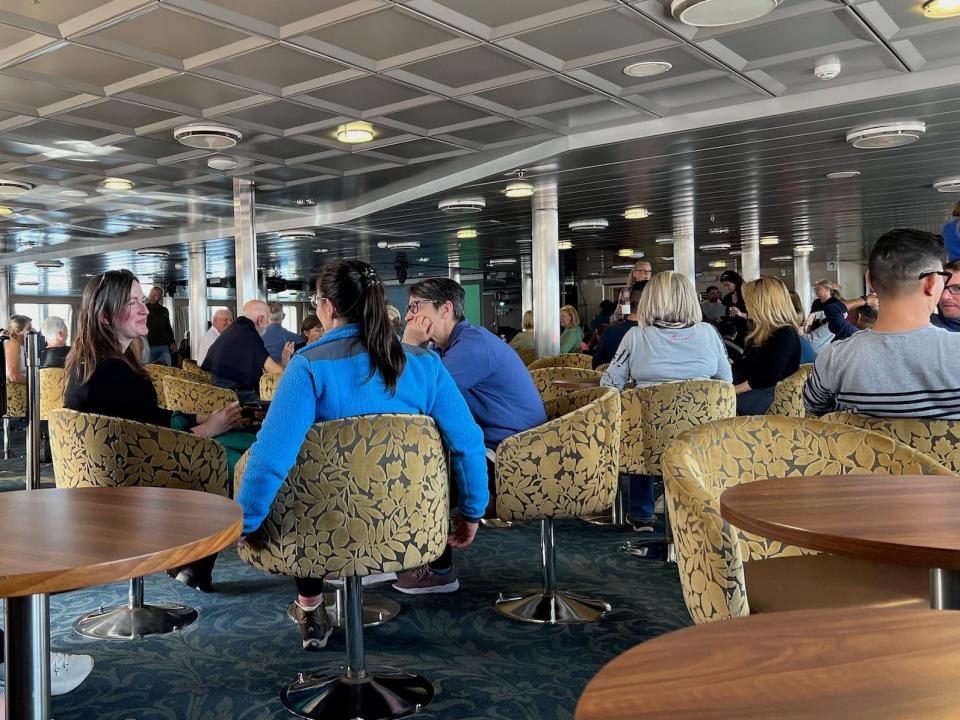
(773, 345)
(54, 331)
(238, 357)
(903, 366)
(311, 330)
(14, 348)
(524, 339)
(610, 340)
(358, 368)
(571, 337)
(948, 309)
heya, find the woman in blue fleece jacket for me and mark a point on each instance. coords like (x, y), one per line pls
(358, 368)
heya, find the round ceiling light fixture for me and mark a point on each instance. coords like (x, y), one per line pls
(466, 234)
(519, 188)
(843, 174)
(941, 8)
(565, 245)
(716, 246)
(501, 261)
(12, 188)
(74, 193)
(768, 240)
(462, 205)
(636, 213)
(48, 264)
(879, 137)
(117, 184)
(717, 13)
(355, 132)
(154, 252)
(649, 68)
(625, 252)
(222, 162)
(589, 224)
(296, 234)
(5, 211)
(207, 136)
(945, 186)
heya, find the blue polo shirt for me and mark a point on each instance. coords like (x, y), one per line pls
(494, 381)
(274, 338)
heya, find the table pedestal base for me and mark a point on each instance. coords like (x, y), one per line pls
(132, 623)
(382, 693)
(377, 609)
(944, 589)
(556, 608)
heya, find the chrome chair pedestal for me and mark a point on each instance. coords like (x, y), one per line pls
(657, 549)
(382, 693)
(377, 608)
(134, 620)
(617, 517)
(495, 523)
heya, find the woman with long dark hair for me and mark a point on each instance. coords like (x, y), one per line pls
(358, 367)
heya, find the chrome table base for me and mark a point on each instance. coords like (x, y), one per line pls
(131, 623)
(377, 609)
(944, 589)
(556, 608)
(382, 693)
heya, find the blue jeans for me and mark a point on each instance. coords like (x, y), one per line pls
(641, 498)
(160, 354)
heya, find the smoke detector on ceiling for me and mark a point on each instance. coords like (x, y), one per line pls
(462, 205)
(878, 137)
(207, 136)
(717, 13)
(827, 68)
(12, 188)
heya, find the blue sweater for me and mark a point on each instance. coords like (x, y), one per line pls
(327, 381)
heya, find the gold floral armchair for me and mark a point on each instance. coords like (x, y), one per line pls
(543, 380)
(195, 398)
(268, 385)
(366, 495)
(52, 387)
(98, 451)
(566, 360)
(527, 355)
(566, 467)
(190, 366)
(720, 564)
(788, 394)
(16, 408)
(158, 372)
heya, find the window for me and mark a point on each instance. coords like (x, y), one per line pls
(291, 318)
(38, 312)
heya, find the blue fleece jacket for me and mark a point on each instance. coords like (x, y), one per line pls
(327, 380)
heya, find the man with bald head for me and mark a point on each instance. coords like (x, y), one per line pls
(222, 319)
(238, 358)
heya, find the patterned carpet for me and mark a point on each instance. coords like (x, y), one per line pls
(233, 661)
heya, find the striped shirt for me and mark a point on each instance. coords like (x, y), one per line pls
(888, 374)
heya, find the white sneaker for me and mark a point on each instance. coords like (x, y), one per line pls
(658, 507)
(367, 579)
(68, 671)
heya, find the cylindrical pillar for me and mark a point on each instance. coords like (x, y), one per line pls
(750, 242)
(684, 250)
(27, 653)
(526, 284)
(33, 410)
(801, 277)
(197, 275)
(546, 271)
(245, 239)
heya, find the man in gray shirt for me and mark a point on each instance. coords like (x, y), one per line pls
(903, 366)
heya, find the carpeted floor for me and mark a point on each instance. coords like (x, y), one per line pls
(233, 661)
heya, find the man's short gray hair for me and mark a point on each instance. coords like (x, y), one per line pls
(276, 312)
(53, 325)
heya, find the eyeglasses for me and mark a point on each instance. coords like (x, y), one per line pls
(942, 273)
(952, 289)
(316, 299)
(414, 307)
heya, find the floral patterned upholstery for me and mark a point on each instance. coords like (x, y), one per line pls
(367, 494)
(700, 464)
(98, 451)
(158, 372)
(543, 380)
(191, 367)
(567, 360)
(602, 367)
(566, 467)
(16, 400)
(268, 385)
(788, 394)
(51, 390)
(937, 439)
(527, 355)
(195, 398)
(654, 415)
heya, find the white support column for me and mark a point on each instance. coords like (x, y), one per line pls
(526, 284)
(750, 241)
(4, 294)
(801, 278)
(245, 239)
(546, 271)
(197, 275)
(684, 250)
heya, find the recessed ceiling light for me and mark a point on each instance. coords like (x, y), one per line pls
(405, 245)
(5, 211)
(466, 234)
(664, 241)
(941, 8)
(502, 261)
(153, 252)
(945, 186)
(296, 234)
(769, 240)
(117, 184)
(462, 205)
(717, 13)
(782, 258)
(716, 246)
(355, 132)
(648, 68)
(207, 136)
(842, 174)
(74, 193)
(49, 263)
(565, 245)
(636, 213)
(802, 249)
(12, 188)
(222, 162)
(589, 224)
(519, 188)
(625, 252)
(878, 137)
(717, 263)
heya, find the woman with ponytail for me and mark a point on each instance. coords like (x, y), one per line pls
(358, 367)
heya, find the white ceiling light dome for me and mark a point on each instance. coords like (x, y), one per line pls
(462, 205)
(843, 174)
(74, 193)
(207, 136)
(12, 188)
(589, 224)
(769, 240)
(888, 135)
(636, 213)
(223, 162)
(717, 13)
(155, 252)
(948, 186)
(303, 234)
(647, 68)
(716, 246)
(519, 188)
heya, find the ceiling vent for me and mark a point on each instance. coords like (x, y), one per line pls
(11, 188)
(717, 13)
(948, 186)
(589, 224)
(879, 137)
(207, 136)
(462, 205)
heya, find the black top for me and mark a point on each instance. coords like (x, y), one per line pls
(610, 341)
(741, 323)
(115, 389)
(159, 331)
(236, 358)
(835, 313)
(768, 364)
(938, 319)
(54, 357)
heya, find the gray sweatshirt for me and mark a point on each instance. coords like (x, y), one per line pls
(650, 355)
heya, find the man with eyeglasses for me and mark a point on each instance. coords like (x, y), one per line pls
(948, 311)
(492, 379)
(904, 366)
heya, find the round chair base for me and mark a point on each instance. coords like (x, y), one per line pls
(560, 608)
(651, 550)
(382, 694)
(377, 609)
(495, 523)
(127, 623)
(604, 520)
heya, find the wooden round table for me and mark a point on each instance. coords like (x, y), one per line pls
(898, 519)
(577, 383)
(57, 540)
(883, 664)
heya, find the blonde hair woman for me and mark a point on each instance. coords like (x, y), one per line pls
(524, 339)
(572, 336)
(17, 328)
(773, 345)
(642, 271)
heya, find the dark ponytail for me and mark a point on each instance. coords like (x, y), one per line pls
(357, 295)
